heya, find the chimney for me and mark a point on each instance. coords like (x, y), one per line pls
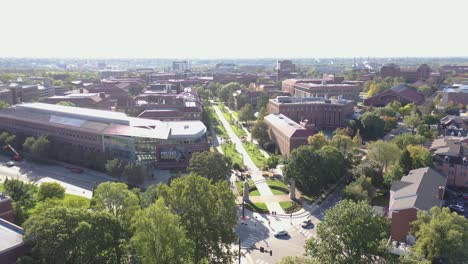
(102, 95)
(440, 193)
(81, 90)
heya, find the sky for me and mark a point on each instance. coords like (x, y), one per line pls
(233, 29)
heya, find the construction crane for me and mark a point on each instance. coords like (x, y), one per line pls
(17, 156)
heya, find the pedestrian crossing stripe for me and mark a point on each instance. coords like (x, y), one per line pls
(305, 233)
(261, 261)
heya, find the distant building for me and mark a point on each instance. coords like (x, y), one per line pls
(421, 189)
(118, 94)
(421, 73)
(180, 65)
(459, 69)
(321, 112)
(6, 95)
(285, 69)
(287, 134)
(451, 125)
(86, 100)
(450, 156)
(321, 88)
(401, 93)
(111, 73)
(251, 97)
(225, 67)
(456, 95)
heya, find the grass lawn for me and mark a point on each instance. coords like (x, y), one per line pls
(255, 154)
(1, 187)
(290, 207)
(262, 206)
(231, 152)
(235, 114)
(276, 183)
(237, 128)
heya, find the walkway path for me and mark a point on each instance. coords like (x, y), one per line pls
(256, 174)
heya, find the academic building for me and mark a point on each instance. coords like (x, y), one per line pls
(151, 142)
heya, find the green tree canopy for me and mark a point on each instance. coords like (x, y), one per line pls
(61, 235)
(347, 148)
(260, 132)
(40, 148)
(372, 125)
(420, 156)
(403, 140)
(50, 190)
(159, 236)
(28, 143)
(441, 234)
(208, 213)
(66, 103)
(318, 140)
(246, 113)
(383, 154)
(116, 199)
(350, 233)
(359, 190)
(212, 165)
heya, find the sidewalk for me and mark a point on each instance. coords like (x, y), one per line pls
(256, 175)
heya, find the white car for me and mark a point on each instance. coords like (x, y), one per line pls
(281, 233)
(10, 164)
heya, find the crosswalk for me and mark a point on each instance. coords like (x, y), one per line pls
(306, 233)
(248, 242)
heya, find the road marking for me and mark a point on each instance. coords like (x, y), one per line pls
(261, 261)
(306, 233)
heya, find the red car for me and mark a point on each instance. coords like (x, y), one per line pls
(76, 170)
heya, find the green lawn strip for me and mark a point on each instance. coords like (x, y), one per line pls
(255, 154)
(237, 128)
(276, 183)
(1, 187)
(290, 207)
(278, 192)
(230, 151)
(240, 186)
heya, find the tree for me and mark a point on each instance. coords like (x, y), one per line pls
(115, 167)
(116, 199)
(318, 140)
(313, 169)
(61, 235)
(441, 235)
(28, 143)
(212, 165)
(384, 154)
(225, 93)
(11, 139)
(403, 140)
(372, 125)
(350, 233)
(21, 192)
(66, 103)
(3, 137)
(373, 90)
(297, 260)
(246, 113)
(159, 236)
(260, 132)
(207, 211)
(50, 190)
(272, 161)
(3, 105)
(40, 148)
(420, 156)
(405, 162)
(347, 147)
(359, 190)
(412, 121)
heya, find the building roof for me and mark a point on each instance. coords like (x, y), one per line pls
(104, 122)
(287, 125)
(308, 100)
(10, 234)
(446, 146)
(419, 189)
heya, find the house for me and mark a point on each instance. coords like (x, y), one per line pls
(450, 156)
(421, 189)
(401, 93)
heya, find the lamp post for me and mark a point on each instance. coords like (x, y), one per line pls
(239, 251)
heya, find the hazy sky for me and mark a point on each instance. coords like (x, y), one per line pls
(233, 29)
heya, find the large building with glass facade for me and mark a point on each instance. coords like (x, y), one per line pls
(162, 144)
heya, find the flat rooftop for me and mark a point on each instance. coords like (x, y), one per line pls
(10, 235)
(308, 100)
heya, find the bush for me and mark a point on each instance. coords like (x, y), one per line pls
(49, 190)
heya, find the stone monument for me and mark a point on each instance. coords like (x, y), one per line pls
(246, 190)
(292, 189)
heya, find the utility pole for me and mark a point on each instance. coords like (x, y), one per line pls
(243, 209)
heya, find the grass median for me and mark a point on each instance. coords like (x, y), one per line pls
(255, 154)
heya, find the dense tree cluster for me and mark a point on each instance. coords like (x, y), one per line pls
(212, 165)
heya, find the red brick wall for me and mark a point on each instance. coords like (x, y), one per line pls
(6, 210)
(401, 223)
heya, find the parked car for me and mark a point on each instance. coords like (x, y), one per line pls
(307, 223)
(10, 164)
(281, 233)
(457, 208)
(76, 170)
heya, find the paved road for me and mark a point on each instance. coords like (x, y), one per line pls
(78, 184)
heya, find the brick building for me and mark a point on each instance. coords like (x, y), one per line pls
(287, 134)
(285, 69)
(12, 246)
(6, 208)
(320, 112)
(321, 88)
(151, 142)
(401, 93)
(451, 158)
(118, 94)
(6, 95)
(86, 100)
(456, 95)
(421, 73)
(421, 189)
